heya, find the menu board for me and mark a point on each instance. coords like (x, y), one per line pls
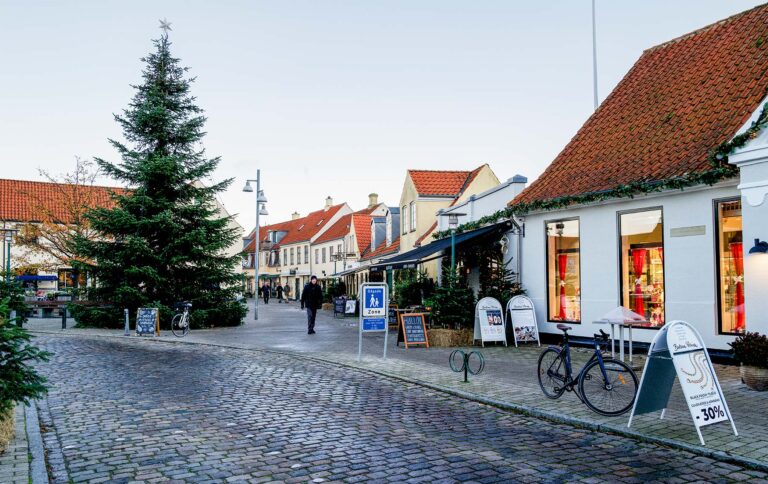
(392, 315)
(147, 320)
(339, 305)
(414, 329)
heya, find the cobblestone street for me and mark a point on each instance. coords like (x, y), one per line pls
(135, 410)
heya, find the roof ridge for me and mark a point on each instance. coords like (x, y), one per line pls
(410, 170)
(59, 183)
(700, 30)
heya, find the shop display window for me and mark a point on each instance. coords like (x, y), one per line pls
(642, 264)
(563, 271)
(730, 267)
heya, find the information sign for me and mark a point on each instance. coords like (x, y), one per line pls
(392, 315)
(489, 321)
(414, 329)
(523, 318)
(147, 322)
(351, 307)
(373, 312)
(678, 349)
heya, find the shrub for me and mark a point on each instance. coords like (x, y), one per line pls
(412, 288)
(19, 382)
(97, 317)
(334, 288)
(751, 349)
(453, 304)
(230, 313)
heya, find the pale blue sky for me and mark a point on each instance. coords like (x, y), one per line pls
(328, 97)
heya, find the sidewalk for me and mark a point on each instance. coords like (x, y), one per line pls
(509, 379)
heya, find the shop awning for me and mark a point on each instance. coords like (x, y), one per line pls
(412, 258)
(37, 278)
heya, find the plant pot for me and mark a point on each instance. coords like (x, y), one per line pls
(754, 377)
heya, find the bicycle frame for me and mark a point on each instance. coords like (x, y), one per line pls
(565, 351)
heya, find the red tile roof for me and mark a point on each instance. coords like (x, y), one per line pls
(383, 250)
(362, 225)
(303, 229)
(441, 183)
(339, 230)
(33, 201)
(264, 231)
(679, 101)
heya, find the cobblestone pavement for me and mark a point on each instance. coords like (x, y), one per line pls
(122, 410)
(14, 461)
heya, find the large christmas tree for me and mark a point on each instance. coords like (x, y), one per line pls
(164, 240)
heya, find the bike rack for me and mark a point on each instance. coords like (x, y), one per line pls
(464, 358)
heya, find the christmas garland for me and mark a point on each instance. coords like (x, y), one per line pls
(720, 170)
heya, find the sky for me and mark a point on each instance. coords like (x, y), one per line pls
(328, 98)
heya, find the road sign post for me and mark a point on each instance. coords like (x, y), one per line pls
(374, 306)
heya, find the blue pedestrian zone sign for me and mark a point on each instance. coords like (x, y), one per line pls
(374, 302)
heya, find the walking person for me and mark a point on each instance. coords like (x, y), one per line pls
(312, 299)
(279, 294)
(266, 292)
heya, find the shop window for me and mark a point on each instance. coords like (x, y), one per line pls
(730, 267)
(642, 264)
(563, 271)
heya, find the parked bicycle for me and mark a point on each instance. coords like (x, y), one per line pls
(605, 385)
(180, 321)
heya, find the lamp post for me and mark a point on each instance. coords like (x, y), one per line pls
(453, 223)
(260, 210)
(8, 233)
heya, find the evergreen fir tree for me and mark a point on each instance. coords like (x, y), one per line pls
(164, 241)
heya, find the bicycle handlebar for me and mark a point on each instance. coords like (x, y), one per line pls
(602, 336)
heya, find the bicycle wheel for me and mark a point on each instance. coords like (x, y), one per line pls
(613, 397)
(552, 373)
(179, 327)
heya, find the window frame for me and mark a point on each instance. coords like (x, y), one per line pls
(621, 257)
(546, 265)
(404, 219)
(413, 216)
(716, 233)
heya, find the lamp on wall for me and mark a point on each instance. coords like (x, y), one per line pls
(759, 248)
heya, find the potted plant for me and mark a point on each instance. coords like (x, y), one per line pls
(751, 350)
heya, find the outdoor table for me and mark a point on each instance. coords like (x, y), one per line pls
(623, 324)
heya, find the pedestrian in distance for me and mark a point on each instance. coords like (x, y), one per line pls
(312, 299)
(265, 292)
(279, 294)
(287, 292)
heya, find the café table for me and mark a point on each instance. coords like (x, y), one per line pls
(623, 324)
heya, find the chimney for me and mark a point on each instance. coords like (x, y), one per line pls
(518, 183)
(373, 200)
(328, 203)
(295, 215)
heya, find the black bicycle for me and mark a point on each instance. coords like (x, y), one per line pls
(605, 385)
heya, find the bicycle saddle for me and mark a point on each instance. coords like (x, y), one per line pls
(563, 327)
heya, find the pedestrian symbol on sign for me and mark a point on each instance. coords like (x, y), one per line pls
(374, 301)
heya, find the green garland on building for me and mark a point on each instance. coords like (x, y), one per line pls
(720, 170)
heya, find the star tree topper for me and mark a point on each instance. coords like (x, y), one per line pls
(165, 26)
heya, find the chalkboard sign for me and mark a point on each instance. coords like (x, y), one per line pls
(147, 322)
(392, 315)
(339, 305)
(414, 329)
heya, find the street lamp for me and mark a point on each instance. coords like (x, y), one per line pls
(453, 223)
(260, 210)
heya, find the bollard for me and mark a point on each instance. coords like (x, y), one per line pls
(64, 318)
(464, 358)
(127, 326)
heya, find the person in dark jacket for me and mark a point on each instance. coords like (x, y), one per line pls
(266, 292)
(279, 294)
(312, 299)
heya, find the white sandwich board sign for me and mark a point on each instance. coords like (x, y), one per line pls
(678, 350)
(522, 317)
(489, 321)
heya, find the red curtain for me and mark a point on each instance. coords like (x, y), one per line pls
(638, 262)
(562, 262)
(661, 254)
(737, 252)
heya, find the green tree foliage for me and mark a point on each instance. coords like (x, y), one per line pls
(453, 303)
(19, 382)
(164, 240)
(412, 287)
(496, 280)
(333, 289)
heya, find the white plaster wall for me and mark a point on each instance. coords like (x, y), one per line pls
(689, 262)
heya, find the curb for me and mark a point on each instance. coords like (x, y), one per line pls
(507, 406)
(37, 470)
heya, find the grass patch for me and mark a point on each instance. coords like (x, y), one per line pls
(6, 428)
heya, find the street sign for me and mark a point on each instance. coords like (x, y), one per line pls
(147, 322)
(374, 297)
(523, 319)
(489, 321)
(679, 350)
